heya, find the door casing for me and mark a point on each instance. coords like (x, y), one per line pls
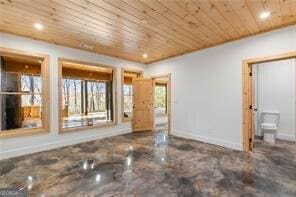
(248, 97)
(168, 75)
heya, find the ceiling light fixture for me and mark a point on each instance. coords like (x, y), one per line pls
(264, 15)
(38, 26)
(145, 55)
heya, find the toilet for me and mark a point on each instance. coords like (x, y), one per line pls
(269, 125)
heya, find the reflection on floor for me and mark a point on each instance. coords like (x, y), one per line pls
(161, 123)
(154, 164)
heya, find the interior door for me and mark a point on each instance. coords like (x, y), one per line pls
(251, 108)
(255, 100)
(143, 104)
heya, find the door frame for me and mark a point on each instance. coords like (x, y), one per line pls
(123, 70)
(168, 75)
(248, 98)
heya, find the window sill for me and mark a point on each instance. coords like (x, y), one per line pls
(83, 128)
(22, 132)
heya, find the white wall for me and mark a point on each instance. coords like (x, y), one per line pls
(206, 90)
(21, 145)
(207, 86)
(276, 92)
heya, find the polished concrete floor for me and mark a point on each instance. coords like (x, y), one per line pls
(154, 164)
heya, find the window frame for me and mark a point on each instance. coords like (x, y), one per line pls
(60, 92)
(45, 94)
(140, 75)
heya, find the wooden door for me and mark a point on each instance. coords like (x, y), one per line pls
(143, 104)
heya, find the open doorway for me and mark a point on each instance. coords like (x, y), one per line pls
(162, 87)
(151, 103)
(127, 76)
(269, 100)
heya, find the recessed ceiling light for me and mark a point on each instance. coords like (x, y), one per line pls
(145, 55)
(264, 15)
(38, 26)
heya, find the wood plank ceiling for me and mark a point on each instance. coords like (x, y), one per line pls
(130, 28)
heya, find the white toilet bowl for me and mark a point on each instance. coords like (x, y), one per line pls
(269, 135)
(269, 126)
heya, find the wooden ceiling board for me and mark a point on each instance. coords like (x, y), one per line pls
(74, 24)
(150, 16)
(130, 28)
(189, 22)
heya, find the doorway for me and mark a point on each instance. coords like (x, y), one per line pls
(152, 103)
(251, 115)
(143, 105)
(127, 76)
(162, 97)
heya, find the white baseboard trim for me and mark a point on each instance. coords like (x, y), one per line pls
(283, 137)
(57, 144)
(209, 140)
(286, 137)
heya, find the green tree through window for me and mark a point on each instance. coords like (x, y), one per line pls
(160, 99)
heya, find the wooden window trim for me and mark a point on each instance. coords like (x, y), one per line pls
(123, 70)
(114, 97)
(45, 94)
(248, 124)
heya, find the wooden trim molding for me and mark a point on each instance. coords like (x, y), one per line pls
(247, 93)
(45, 93)
(114, 97)
(123, 70)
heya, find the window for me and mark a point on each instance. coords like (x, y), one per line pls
(127, 91)
(87, 95)
(160, 99)
(22, 93)
(128, 100)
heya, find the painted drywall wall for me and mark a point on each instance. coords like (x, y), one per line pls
(276, 93)
(23, 145)
(207, 86)
(206, 90)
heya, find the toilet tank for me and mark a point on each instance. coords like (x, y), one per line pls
(270, 117)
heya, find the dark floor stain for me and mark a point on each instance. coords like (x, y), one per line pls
(182, 147)
(44, 161)
(6, 168)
